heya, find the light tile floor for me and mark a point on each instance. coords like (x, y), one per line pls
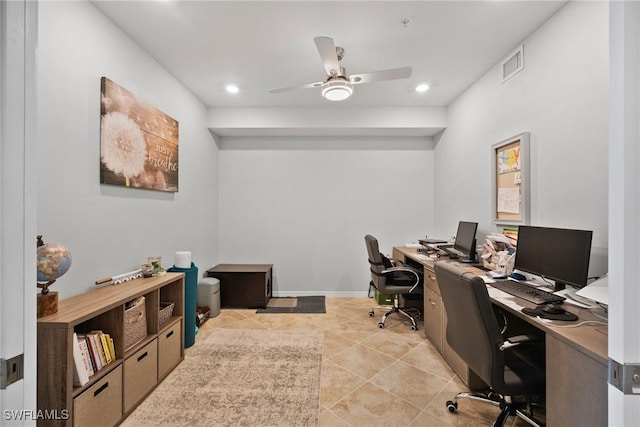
(371, 376)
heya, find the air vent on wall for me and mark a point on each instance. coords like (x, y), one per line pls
(513, 63)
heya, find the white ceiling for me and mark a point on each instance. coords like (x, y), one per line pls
(260, 45)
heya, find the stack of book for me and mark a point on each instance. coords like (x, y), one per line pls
(512, 235)
(91, 352)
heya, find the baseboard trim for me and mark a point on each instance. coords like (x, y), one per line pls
(335, 294)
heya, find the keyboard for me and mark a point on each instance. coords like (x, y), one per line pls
(527, 292)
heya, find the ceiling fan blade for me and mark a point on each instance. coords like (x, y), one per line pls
(327, 49)
(376, 76)
(290, 88)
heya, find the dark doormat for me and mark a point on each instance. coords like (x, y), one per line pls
(312, 304)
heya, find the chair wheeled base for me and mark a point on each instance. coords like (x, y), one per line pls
(412, 314)
(522, 409)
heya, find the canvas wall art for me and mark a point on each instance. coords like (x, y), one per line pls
(138, 142)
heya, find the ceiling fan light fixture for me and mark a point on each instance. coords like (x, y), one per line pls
(337, 90)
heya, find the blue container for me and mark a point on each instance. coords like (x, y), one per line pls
(190, 302)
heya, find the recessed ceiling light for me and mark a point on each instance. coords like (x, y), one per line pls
(422, 87)
(232, 88)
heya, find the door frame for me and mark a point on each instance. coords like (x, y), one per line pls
(18, 195)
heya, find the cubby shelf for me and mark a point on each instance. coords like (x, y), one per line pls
(114, 391)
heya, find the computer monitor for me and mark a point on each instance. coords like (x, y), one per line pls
(557, 254)
(466, 240)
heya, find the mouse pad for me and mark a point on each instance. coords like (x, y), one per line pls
(538, 311)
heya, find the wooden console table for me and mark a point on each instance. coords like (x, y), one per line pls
(243, 285)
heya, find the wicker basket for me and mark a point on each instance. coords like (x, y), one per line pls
(166, 310)
(135, 322)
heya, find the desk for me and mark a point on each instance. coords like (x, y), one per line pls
(576, 358)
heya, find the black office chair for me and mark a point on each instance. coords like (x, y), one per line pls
(513, 368)
(390, 280)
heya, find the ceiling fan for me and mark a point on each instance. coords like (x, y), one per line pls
(339, 85)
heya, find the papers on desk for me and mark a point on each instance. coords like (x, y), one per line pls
(413, 245)
(572, 298)
(597, 291)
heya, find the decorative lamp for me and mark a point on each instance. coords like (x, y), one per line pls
(53, 260)
(337, 90)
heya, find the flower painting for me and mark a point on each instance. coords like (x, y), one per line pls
(138, 142)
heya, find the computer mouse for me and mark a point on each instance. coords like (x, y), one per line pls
(553, 309)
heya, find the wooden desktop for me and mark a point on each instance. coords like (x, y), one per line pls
(576, 356)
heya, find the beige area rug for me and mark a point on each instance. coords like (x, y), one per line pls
(240, 378)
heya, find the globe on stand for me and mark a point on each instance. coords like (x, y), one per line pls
(53, 260)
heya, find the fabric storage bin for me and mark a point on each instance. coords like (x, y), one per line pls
(100, 404)
(140, 375)
(169, 349)
(135, 322)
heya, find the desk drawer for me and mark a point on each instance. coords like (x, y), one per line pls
(430, 280)
(140, 374)
(100, 404)
(433, 318)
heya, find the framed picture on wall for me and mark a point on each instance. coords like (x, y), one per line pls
(138, 142)
(510, 180)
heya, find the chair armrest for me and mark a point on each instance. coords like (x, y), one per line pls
(519, 340)
(406, 270)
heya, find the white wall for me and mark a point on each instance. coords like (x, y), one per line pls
(305, 204)
(561, 97)
(111, 230)
(320, 194)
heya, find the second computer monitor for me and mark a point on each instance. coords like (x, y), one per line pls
(466, 240)
(557, 254)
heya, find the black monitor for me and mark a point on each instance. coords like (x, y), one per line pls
(466, 240)
(554, 253)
